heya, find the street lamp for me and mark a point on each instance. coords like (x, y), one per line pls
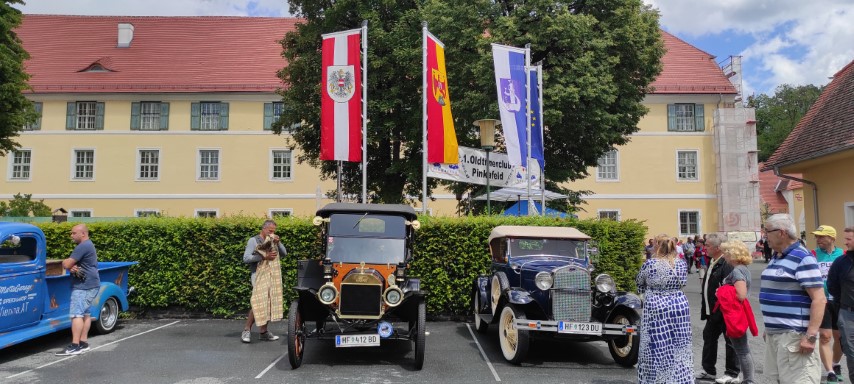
(487, 143)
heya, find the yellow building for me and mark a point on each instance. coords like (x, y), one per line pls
(171, 116)
(691, 168)
(821, 147)
(158, 115)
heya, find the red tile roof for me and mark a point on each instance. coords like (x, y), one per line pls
(771, 188)
(827, 128)
(687, 69)
(167, 54)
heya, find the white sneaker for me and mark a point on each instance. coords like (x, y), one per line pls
(268, 336)
(246, 337)
(727, 379)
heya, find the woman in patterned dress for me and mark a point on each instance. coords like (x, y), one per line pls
(665, 329)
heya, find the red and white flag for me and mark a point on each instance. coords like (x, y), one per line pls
(341, 97)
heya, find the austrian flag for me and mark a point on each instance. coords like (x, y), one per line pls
(341, 97)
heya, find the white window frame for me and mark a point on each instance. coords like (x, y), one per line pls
(697, 165)
(149, 120)
(616, 165)
(137, 211)
(11, 167)
(272, 165)
(138, 169)
(199, 210)
(83, 121)
(90, 211)
(199, 164)
(687, 124)
(617, 211)
(209, 114)
(272, 211)
(849, 214)
(679, 222)
(74, 164)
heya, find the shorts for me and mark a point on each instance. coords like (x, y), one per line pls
(81, 301)
(831, 317)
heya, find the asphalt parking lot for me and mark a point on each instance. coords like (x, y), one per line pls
(209, 351)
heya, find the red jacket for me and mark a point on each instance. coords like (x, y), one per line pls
(738, 315)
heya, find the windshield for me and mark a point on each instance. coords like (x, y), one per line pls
(554, 247)
(374, 239)
(371, 251)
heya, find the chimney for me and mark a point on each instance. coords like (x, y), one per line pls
(125, 35)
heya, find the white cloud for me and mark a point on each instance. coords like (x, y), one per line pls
(158, 7)
(795, 42)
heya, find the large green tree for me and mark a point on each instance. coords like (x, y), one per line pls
(15, 110)
(599, 57)
(778, 114)
(23, 206)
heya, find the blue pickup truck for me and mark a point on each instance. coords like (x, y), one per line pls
(35, 292)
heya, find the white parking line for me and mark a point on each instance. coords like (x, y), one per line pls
(92, 349)
(482, 353)
(271, 366)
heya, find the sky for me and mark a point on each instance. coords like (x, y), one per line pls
(793, 42)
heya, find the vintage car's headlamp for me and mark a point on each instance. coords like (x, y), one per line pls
(392, 296)
(544, 280)
(327, 294)
(605, 283)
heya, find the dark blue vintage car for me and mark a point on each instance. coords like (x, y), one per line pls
(540, 285)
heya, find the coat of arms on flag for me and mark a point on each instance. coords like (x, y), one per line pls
(440, 87)
(510, 91)
(341, 83)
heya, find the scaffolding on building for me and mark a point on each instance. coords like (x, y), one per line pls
(736, 154)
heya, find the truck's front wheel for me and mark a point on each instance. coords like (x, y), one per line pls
(108, 316)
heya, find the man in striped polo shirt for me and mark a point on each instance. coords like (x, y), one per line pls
(792, 300)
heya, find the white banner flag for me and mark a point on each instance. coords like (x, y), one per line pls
(472, 170)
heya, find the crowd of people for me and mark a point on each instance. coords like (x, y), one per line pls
(806, 299)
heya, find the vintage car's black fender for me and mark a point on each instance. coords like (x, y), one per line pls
(626, 302)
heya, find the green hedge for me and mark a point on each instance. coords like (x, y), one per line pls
(197, 264)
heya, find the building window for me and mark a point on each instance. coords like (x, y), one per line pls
(685, 117)
(281, 212)
(280, 164)
(607, 167)
(609, 214)
(36, 125)
(686, 166)
(209, 116)
(209, 164)
(84, 115)
(149, 116)
(22, 161)
(272, 113)
(80, 213)
(689, 223)
(206, 213)
(149, 164)
(84, 164)
(146, 213)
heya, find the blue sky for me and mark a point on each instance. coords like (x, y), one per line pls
(781, 41)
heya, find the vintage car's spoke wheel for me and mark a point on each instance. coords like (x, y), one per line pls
(499, 283)
(296, 335)
(514, 342)
(420, 335)
(480, 325)
(108, 316)
(625, 349)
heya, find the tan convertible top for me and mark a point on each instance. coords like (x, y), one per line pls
(537, 232)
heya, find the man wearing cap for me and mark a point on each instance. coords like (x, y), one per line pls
(840, 284)
(826, 253)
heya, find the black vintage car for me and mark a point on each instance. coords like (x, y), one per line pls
(358, 293)
(540, 285)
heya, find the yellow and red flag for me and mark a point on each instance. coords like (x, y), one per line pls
(441, 137)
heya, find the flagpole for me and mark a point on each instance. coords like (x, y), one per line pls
(364, 112)
(424, 116)
(528, 120)
(338, 182)
(542, 134)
